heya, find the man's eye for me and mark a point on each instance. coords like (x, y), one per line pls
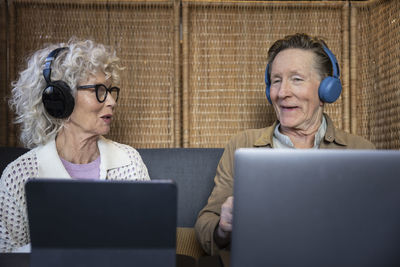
(275, 81)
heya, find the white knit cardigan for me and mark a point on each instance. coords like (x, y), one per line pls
(117, 162)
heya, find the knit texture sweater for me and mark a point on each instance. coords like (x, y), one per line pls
(118, 162)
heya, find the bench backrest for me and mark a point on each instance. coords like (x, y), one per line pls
(9, 154)
(193, 170)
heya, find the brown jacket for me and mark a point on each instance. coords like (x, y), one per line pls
(208, 217)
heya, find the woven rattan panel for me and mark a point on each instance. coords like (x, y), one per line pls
(3, 73)
(376, 33)
(143, 35)
(224, 58)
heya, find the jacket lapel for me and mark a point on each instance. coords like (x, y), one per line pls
(111, 156)
(50, 165)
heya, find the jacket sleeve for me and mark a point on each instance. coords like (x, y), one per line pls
(13, 218)
(208, 217)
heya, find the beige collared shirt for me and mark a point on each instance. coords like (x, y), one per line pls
(279, 140)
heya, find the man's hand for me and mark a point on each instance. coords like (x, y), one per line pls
(222, 234)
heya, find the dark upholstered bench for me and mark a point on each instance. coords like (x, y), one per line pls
(193, 170)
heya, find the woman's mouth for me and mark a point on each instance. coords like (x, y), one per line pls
(107, 118)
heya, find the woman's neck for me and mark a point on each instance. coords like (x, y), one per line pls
(78, 149)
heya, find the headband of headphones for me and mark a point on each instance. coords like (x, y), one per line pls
(49, 59)
(335, 65)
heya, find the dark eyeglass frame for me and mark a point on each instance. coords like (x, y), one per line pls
(96, 88)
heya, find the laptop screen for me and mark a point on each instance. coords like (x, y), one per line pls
(316, 208)
(70, 215)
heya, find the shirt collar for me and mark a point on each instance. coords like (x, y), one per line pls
(331, 135)
(281, 140)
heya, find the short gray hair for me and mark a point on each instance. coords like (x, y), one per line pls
(323, 64)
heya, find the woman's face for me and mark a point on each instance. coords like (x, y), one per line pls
(294, 89)
(90, 117)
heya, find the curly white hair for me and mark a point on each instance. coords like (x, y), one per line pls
(72, 65)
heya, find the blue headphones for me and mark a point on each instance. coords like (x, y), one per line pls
(329, 89)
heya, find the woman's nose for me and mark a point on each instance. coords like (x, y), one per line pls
(110, 101)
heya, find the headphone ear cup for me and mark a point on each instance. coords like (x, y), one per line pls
(267, 85)
(58, 100)
(267, 93)
(267, 89)
(329, 90)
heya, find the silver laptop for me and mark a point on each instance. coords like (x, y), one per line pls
(316, 208)
(102, 223)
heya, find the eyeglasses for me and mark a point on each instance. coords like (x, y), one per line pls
(102, 91)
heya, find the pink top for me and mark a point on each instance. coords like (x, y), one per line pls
(90, 170)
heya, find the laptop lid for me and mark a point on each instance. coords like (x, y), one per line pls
(102, 223)
(316, 208)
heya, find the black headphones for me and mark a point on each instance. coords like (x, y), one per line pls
(329, 89)
(57, 96)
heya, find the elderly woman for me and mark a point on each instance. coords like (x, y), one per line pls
(64, 101)
(301, 76)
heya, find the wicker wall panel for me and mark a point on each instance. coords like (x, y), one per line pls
(224, 51)
(143, 34)
(224, 55)
(376, 33)
(3, 74)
